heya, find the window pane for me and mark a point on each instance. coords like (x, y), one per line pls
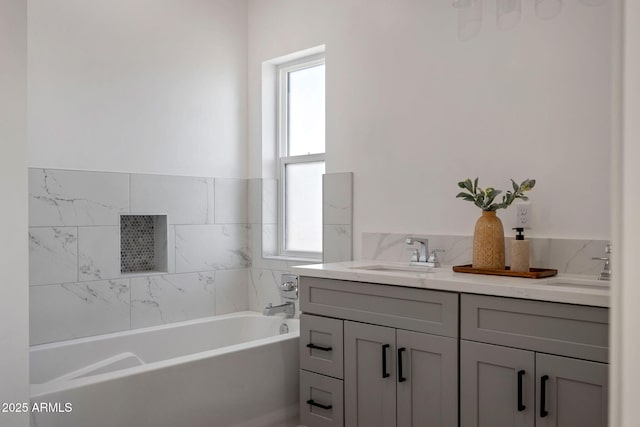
(303, 207)
(306, 111)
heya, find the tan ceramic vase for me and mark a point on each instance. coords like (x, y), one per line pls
(488, 242)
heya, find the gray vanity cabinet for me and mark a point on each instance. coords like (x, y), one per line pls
(387, 356)
(498, 389)
(399, 350)
(399, 378)
(526, 386)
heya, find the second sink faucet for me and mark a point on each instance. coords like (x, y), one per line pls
(422, 250)
(606, 270)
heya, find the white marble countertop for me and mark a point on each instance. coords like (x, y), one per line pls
(572, 289)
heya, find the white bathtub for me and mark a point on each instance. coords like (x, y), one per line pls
(231, 370)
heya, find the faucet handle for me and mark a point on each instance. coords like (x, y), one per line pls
(288, 287)
(433, 260)
(415, 253)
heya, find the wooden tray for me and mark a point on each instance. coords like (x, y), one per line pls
(533, 273)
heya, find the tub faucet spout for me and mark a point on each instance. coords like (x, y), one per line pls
(288, 308)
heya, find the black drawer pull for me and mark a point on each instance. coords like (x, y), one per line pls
(319, 405)
(318, 347)
(543, 396)
(521, 406)
(385, 374)
(401, 378)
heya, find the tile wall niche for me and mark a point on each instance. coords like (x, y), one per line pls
(76, 285)
(568, 256)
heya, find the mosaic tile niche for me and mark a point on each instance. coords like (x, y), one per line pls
(143, 243)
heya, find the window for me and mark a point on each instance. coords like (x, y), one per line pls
(301, 145)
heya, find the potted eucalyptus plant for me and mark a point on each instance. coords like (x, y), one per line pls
(488, 236)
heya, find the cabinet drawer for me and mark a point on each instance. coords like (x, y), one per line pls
(563, 329)
(321, 400)
(413, 309)
(321, 345)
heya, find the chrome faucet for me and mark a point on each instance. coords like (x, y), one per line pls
(605, 274)
(288, 308)
(421, 252)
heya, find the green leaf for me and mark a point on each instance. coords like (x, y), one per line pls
(491, 196)
(468, 185)
(461, 184)
(515, 186)
(527, 184)
(532, 183)
(475, 185)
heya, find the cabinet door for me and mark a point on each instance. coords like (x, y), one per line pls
(572, 392)
(496, 386)
(427, 375)
(369, 375)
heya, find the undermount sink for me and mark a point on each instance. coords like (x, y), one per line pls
(580, 283)
(396, 268)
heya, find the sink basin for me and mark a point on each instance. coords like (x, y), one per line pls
(395, 268)
(580, 283)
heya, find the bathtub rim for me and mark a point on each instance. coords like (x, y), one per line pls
(39, 390)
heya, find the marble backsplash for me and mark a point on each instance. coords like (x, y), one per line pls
(568, 256)
(76, 285)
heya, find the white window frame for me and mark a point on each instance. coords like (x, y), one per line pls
(283, 144)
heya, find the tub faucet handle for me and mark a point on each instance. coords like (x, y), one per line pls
(288, 287)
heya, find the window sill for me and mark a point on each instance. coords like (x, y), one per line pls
(292, 259)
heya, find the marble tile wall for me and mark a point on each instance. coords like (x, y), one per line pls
(267, 267)
(76, 287)
(568, 256)
(337, 217)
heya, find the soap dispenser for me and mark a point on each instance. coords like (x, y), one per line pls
(520, 252)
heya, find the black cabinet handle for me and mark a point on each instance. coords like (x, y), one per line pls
(319, 405)
(318, 347)
(385, 374)
(401, 378)
(543, 396)
(521, 406)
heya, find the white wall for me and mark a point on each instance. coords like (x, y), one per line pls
(625, 371)
(138, 86)
(14, 312)
(411, 110)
